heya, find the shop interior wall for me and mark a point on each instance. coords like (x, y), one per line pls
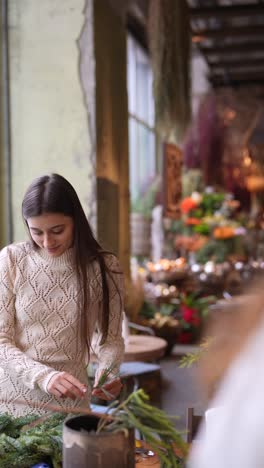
(49, 119)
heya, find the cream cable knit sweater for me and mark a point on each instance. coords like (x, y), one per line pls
(39, 326)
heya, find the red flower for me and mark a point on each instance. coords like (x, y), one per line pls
(196, 321)
(185, 337)
(191, 315)
(188, 313)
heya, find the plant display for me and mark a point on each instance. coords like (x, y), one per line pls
(205, 142)
(152, 423)
(169, 43)
(163, 317)
(26, 441)
(187, 314)
(192, 313)
(211, 228)
(146, 199)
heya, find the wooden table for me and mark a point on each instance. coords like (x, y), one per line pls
(144, 348)
(141, 462)
(154, 461)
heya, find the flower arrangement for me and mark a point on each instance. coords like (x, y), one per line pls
(27, 440)
(192, 314)
(210, 226)
(186, 316)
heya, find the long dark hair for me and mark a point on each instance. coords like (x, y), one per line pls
(54, 194)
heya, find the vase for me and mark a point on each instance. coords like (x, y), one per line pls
(84, 448)
(140, 235)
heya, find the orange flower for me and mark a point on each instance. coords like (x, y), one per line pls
(192, 221)
(224, 232)
(188, 204)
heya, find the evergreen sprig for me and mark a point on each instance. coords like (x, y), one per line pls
(22, 449)
(152, 423)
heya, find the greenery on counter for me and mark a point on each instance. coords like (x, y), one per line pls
(153, 424)
(23, 445)
(26, 441)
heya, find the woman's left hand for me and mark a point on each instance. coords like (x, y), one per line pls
(109, 390)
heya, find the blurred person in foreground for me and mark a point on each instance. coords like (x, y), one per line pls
(232, 373)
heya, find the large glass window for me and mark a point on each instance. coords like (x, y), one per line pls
(142, 145)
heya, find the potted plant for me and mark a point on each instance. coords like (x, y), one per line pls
(140, 219)
(110, 440)
(162, 321)
(26, 441)
(192, 314)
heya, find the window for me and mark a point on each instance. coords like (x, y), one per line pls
(142, 136)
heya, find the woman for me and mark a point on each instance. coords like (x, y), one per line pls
(55, 291)
(232, 371)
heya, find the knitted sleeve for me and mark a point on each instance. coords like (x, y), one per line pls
(112, 351)
(12, 360)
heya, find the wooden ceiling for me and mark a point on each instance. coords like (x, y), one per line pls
(230, 35)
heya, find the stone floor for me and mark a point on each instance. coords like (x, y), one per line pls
(179, 388)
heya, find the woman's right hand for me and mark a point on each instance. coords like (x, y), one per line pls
(64, 385)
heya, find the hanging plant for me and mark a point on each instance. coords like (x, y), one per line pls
(169, 42)
(205, 143)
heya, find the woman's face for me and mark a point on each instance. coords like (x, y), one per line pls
(52, 232)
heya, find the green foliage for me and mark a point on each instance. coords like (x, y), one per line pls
(202, 228)
(147, 310)
(192, 358)
(42, 441)
(189, 359)
(211, 202)
(169, 43)
(105, 374)
(153, 424)
(145, 201)
(110, 371)
(192, 181)
(23, 448)
(12, 426)
(198, 302)
(167, 309)
(216, 250)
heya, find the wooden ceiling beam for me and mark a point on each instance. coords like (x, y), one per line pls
(233, 48)
(231, 11)
(238, 64)
(236, 83)
(227, 31)
(238, 75)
